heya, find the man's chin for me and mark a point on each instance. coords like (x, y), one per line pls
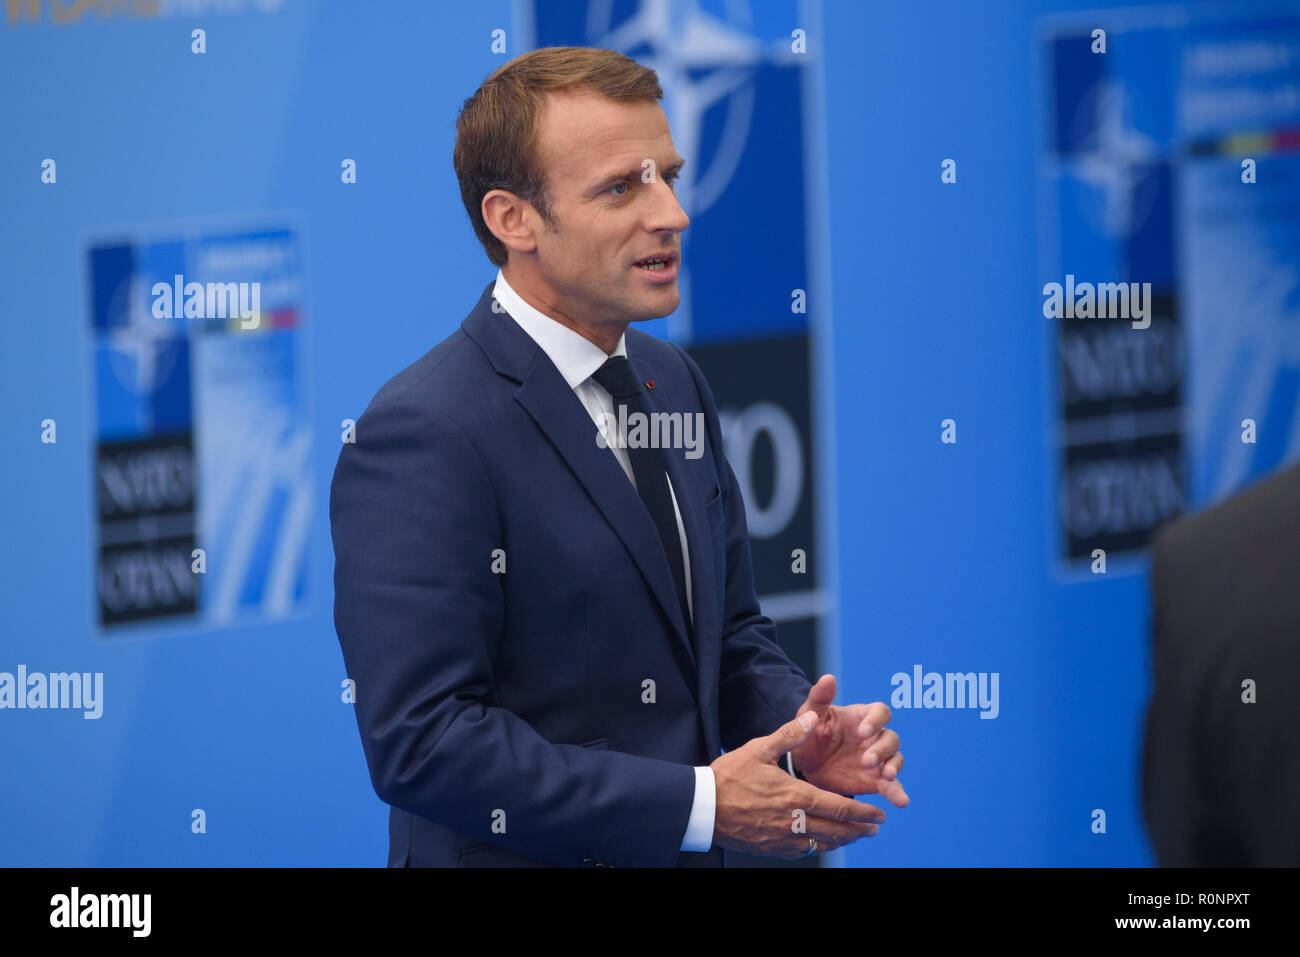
(664, 306)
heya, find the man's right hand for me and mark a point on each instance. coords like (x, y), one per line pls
(756, 801)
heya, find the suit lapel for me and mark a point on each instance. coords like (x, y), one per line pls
(560, 414)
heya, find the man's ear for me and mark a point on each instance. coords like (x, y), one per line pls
(510, 219)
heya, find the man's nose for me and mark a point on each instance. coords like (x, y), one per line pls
(667, 212)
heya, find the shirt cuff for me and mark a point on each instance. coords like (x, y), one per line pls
(699, 829)
(789, 766)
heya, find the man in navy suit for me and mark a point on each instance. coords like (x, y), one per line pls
(550, 615)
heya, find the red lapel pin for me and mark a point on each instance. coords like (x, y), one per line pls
(650, 384)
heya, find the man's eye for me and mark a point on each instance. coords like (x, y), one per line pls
(621, 188)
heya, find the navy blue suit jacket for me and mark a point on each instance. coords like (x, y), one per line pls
(507, 717)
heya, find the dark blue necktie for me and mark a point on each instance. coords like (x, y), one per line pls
(649, 466)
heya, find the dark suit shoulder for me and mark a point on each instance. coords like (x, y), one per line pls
(439, 377)
(1235, 540)
(1260, 507)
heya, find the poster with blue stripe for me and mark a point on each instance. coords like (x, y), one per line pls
(1170, 181)
(203, 489)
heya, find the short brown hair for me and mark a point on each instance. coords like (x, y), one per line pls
(497, 127)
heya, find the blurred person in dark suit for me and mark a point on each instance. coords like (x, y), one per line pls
(1221, 767)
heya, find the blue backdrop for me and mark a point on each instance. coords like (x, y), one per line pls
(942, 555)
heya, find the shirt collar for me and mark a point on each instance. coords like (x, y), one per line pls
(576, 358)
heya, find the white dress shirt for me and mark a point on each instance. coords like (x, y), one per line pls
(577, 358)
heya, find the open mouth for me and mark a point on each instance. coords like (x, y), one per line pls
(656, 263)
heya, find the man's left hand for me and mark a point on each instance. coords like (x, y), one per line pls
(850, 752)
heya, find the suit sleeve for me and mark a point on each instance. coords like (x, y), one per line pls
(759, 687)
(419, 615)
